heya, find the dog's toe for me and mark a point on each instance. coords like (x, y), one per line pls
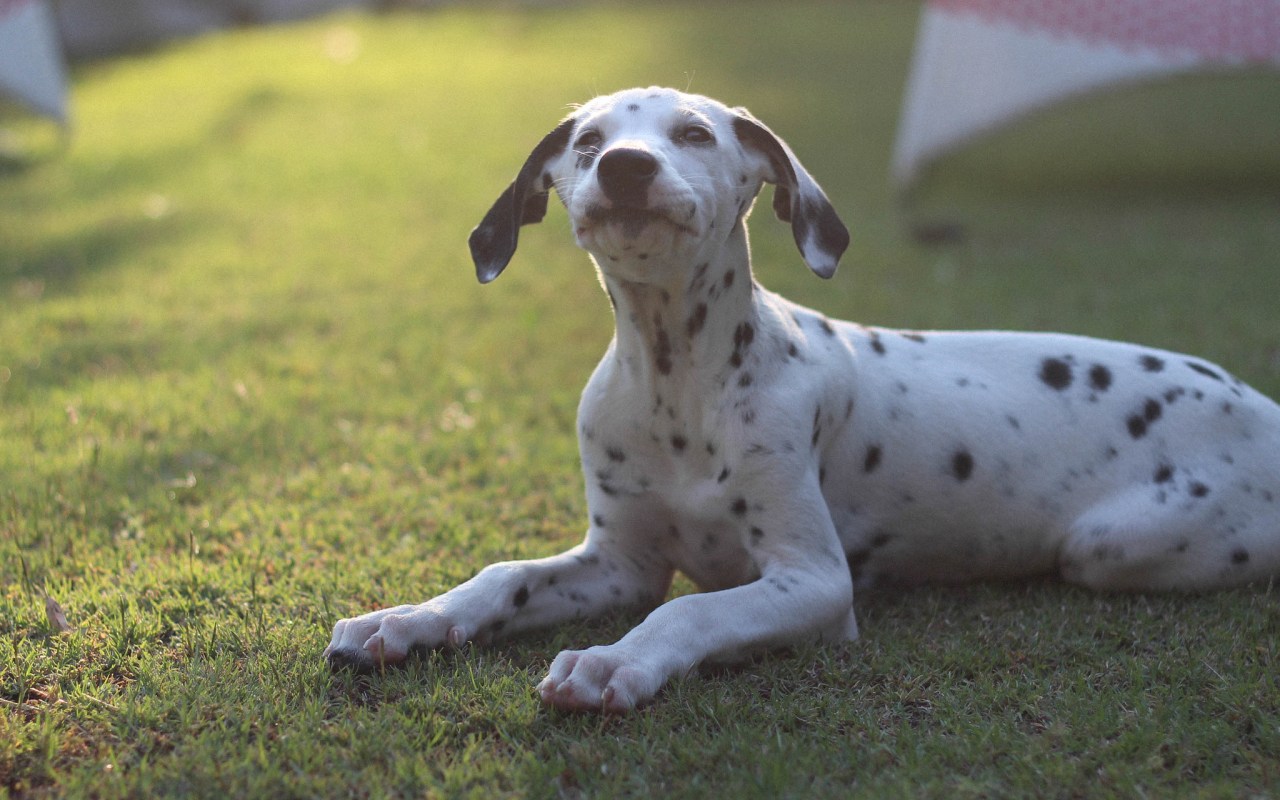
(348, 658)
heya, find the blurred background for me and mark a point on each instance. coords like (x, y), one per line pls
(244, 186)
(977, 67)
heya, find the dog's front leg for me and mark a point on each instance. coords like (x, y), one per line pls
(803, 594)
(503, 598)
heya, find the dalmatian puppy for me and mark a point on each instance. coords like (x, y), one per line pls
(779, 458)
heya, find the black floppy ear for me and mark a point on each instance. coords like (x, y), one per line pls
(797, 197)
(493, 242)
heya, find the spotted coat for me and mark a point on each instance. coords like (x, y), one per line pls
(780, 458)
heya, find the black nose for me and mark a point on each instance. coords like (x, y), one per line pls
(625, 173)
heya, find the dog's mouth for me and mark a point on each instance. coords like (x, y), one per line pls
(631, 221)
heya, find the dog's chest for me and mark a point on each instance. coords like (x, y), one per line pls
(665, 479)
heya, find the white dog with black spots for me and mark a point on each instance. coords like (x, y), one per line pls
(781, 459)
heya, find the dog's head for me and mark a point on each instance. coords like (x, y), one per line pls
(652, 177)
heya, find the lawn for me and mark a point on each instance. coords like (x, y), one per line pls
(248, 385)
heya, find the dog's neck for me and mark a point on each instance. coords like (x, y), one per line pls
(684, 327)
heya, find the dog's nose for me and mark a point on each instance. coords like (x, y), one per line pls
(625, 173)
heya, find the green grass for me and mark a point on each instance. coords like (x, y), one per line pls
(248, 384)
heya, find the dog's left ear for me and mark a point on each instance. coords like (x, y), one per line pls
(493, 242)
(797, 197)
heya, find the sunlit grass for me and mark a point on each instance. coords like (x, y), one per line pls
(249, 384)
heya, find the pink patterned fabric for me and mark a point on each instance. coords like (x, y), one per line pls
(8, 7)
(1231, 31)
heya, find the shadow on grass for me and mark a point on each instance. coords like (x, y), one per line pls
(54, 262)
(56, 265)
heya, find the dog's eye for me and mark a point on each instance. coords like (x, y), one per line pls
(589, 140)
(695, 134)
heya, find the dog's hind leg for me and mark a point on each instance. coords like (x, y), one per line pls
(1178, 533)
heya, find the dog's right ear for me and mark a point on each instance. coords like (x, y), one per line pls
(493, 242)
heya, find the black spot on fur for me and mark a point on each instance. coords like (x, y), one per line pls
(914, 337)
(696, 320)
(679, 443)
(615, 454)
(792, 350)
(872, 459)
(876, 344)
(739, 507)
(1163, 474)
(1151, 363)
(633, 107)
(1198, 489)
(724, 475)
(662, 356)
(743, 336)
(881, 539)
(1099, 378)
(1055, 373)
(1137, 426)
(729, 277)
(1138, 423)
(598, 521)
(522, 597)
(825, 324)
(1013, 422)
(962, 465)
(1151, 410)
(745, 380)
(699, 276)
(756, 534)
(817, 426)
(1205, 371)
(1239, 556)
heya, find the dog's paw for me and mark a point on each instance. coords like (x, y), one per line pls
(598, 679)
(384, 638)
